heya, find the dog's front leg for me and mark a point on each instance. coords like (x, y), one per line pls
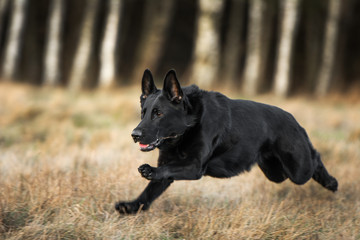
(151, 192)
(173, 171)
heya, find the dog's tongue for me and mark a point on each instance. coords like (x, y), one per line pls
(143, 145)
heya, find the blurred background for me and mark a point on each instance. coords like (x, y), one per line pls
(253, 46)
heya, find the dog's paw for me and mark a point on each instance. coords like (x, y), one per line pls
(147, 171)
(128, 207)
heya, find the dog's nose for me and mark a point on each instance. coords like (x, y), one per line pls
(136, 134)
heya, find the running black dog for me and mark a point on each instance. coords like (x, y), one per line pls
(202, 133)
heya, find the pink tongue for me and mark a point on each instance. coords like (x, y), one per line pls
(143, 145)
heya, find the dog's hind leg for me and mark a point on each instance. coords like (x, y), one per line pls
(272, 168)
(322, 176)
(270, 164)
(143, 202)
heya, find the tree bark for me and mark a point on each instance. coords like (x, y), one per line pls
(4, 5)
(13, 45)
(233, 46)
(158, 15)
(207, 43)
(329, 50)
(80, 67)
(52, 68)
(285, 49)
(268, 43)
(312, 46)
(107, 77)
(253, 64)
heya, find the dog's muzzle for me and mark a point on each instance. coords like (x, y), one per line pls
(136, 135)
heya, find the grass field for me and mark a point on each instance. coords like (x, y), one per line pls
(66, 158)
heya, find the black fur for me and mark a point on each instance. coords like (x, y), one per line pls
(202, 133)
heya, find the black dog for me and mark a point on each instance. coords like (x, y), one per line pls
(202, 133)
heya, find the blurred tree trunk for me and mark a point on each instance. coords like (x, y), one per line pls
(233, 47)
(253, 66)
(313, 42)
(80, 67)
(13, 45)
(207, 43)
(268, 43)
(107, 77)
(52, 68)
(158, 16)
(285, 48)
(329, 50)
(3, 8)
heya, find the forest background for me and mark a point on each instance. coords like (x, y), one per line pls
(285, 47)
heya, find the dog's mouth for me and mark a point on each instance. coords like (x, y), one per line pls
(151, 146)
(148, 147)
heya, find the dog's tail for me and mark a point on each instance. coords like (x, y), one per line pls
(322, 176)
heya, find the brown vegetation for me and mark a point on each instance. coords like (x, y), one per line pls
(66, 158)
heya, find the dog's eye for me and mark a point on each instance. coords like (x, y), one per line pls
(157, 112)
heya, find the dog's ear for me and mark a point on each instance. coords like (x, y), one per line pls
(172, 88)
(147, 85)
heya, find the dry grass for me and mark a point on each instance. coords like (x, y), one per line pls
(66, 158)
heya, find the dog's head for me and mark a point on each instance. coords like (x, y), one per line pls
(164, 113)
